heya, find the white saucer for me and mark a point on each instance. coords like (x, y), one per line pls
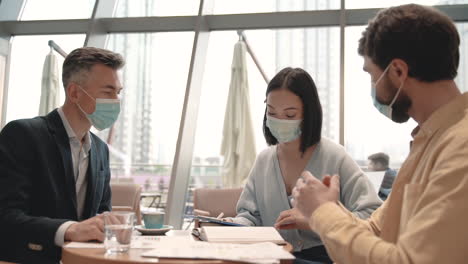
(153, 231)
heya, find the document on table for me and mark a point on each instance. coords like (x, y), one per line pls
(84, 245)
(266, 252)
(143, 242)
(247, 234)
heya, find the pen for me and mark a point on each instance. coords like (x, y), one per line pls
(220, 215)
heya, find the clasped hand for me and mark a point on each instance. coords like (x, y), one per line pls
(310, 193)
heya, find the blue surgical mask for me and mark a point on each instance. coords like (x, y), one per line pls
(284, 130)
(386, 110)
(106, 113)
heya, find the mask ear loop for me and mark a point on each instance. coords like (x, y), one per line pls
(79, 106)
(87, 93)
(382, 75)
(398, 93)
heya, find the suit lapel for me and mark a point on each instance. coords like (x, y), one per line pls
(63, 144)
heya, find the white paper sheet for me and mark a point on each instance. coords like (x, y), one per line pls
(260, 252)
(84, 245)
(144, 242)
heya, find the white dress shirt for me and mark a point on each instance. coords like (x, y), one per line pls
(80, 160)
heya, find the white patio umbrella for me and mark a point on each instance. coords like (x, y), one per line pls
(238, 145)
(50, 86)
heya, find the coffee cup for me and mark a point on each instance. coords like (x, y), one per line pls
(153, 219)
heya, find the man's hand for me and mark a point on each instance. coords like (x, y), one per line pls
(310, 193)
(90, 229)
(292, 219)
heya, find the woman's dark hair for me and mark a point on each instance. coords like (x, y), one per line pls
(301, 84)
(425, 38)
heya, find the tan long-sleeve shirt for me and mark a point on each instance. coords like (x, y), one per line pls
(424, 219)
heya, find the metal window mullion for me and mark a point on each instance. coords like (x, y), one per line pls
(275, 20)
(10, 10)
(342, 72)
(181, 168)
(97, 34)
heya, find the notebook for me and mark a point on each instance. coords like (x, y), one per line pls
(250, 234)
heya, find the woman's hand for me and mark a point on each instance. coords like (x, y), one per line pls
(292, 219)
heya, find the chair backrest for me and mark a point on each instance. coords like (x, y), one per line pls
(122, 180)
(127, 195)
(216, 201)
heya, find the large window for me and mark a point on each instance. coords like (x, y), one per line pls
(214, 95)
(262, 6)
(135, 8)
(314, 49)
(24, 89)
(144, 137)
(317, 51)
(366, 130)
(139, 8)
(57, 9)
(143, 141)
(462, 78)
(2, 79)
(386, 3)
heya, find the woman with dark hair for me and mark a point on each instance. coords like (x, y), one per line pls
(292, 127)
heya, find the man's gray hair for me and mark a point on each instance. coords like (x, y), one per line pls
(80, 61)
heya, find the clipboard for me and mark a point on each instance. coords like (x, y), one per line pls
(215, 220)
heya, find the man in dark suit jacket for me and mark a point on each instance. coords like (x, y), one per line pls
(54, 173)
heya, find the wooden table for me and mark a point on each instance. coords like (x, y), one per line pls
(98, 255)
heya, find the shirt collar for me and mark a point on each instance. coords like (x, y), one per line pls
(71, 134)
(443, 116)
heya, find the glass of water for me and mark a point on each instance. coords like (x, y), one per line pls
(118, 228)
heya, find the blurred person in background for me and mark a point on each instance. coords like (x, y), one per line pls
(380, 162)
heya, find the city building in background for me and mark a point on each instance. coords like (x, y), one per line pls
(317, 51)
(133, 152)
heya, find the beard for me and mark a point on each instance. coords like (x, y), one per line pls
(400, 108)
(401, 105)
